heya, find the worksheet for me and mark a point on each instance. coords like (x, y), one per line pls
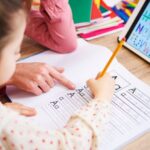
(130, 117)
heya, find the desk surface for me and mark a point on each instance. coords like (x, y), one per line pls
(132, 62)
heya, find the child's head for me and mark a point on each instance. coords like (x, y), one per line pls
(12, 26)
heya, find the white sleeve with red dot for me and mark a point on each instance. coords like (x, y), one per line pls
(83, 131)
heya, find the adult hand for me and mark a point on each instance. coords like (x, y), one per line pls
(23, 110)
(102, 88)
(37, 77)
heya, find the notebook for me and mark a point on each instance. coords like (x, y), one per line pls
(111, 25)
(108, 23)
(130, 117)
(101, 32)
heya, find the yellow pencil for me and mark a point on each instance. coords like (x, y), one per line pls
(101, 74)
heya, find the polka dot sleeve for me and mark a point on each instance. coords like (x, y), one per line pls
(83, 130)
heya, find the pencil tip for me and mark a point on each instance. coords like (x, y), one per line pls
(124, 39)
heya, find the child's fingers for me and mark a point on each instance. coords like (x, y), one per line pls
(102, 88)
(107, 78)
(90, 81)
(94, 81)
(27, 112)
(23, 110)
(107, 75)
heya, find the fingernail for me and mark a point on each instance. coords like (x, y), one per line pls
(34, 112)
(73, 86)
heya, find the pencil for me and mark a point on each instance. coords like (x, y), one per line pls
(101, 74)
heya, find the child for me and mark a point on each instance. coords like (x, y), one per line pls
(52, 26)
(83, 130)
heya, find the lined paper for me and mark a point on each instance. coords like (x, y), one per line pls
(130, 116)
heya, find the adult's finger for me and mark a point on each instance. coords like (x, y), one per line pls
(34, 88)
(49, 80)
(42, 83)
(60, 69)
(60, 78)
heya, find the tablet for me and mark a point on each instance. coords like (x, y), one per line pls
(137, 31)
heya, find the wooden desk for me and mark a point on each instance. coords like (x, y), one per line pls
(132, 62)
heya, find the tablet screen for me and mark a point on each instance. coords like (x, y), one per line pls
(139, 37)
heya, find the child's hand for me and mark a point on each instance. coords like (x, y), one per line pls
(103, 88)
(23, 110)
(37, 78)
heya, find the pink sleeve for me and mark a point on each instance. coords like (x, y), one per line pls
(53, 26)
